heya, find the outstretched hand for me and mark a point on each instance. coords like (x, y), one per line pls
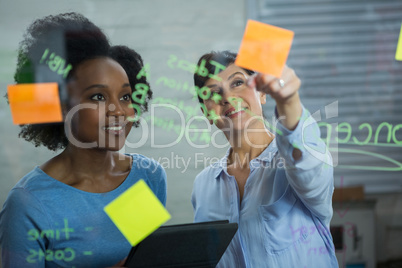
(285, 93)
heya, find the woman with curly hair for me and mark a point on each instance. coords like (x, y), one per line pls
(53, 217)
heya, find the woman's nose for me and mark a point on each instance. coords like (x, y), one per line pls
(229, 98)
(114, 110)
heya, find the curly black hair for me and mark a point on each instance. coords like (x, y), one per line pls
(132, 63)
(83, 41)
(225, 58)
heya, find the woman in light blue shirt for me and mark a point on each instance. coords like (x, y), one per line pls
(278, 188)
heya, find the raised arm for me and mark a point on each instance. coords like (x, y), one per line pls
(309, 167)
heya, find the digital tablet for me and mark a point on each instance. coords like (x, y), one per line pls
(185, 245)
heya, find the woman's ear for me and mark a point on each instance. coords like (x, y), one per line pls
(65, 101)
(263, 97)
(64, 110)
(206, 115)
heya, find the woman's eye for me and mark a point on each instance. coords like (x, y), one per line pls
(98, 97)
(237, 83)
(216, 97)
(212, 94)
(126, 97)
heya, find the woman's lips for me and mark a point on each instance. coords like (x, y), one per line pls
(115, 130)
(235, 113)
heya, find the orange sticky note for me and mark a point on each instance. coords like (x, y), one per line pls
(398, 55)
(35, 103)
(264, 48)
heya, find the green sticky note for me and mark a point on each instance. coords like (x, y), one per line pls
(398, 55)
(137, 212)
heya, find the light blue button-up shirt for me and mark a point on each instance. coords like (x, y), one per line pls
(286, 208)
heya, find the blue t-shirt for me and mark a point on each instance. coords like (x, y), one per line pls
(286, 208)
(46, 223)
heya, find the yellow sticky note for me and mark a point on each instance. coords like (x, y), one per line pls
(137, 212)
(398, 55)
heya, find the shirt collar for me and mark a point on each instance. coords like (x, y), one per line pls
(266, 156)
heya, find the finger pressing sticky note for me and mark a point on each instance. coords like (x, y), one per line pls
(264, 48)
(398, 55)
(35, 103)
(137, 212)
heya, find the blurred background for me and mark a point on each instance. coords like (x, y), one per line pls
(344, 52)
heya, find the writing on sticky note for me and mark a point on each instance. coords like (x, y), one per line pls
(137, 212)
(398, 55)
(35, 103)
(264, 48)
